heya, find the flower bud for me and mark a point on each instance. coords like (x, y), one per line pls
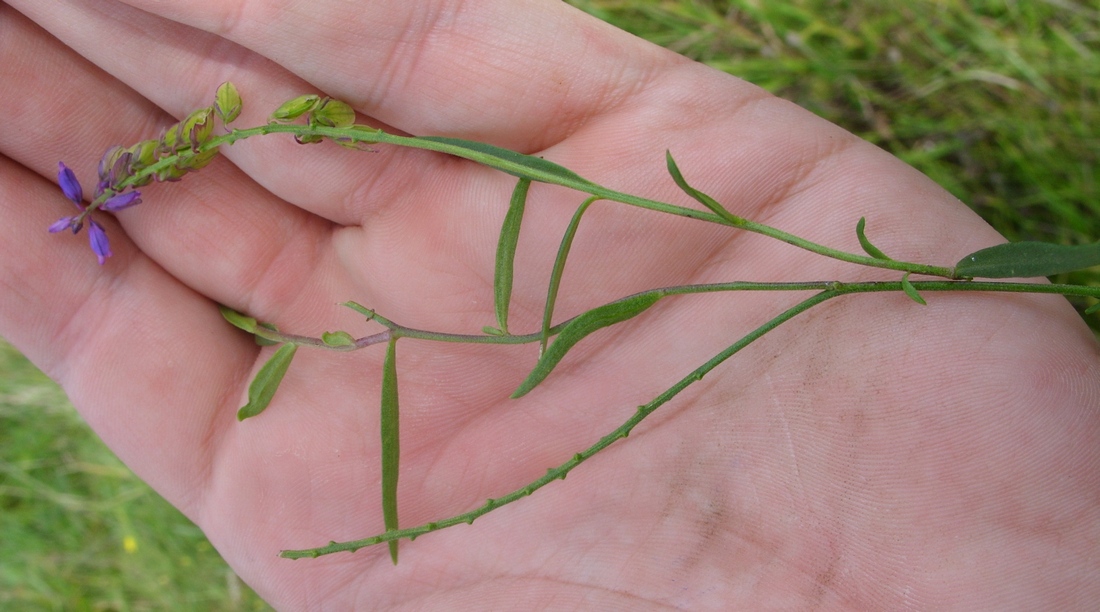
(110, 156)
(292, 109)
(227, 102)
(332, 113)
(114, 167)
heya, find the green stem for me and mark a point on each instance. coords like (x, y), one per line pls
(827, 290)
(398, 330)
(561, 471)
(362, 134)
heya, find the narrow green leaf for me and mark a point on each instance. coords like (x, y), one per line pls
(558, 270)
(267, 381)
(237, 319)
(338, 338)
(492, 331)
(868, 248)
(538, 165)
(1092, 309)
(506, 252)
(1027, 259)
(699, 196)
(911, 291)
(391, 449)
(582, 326)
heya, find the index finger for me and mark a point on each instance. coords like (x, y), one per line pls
(433, 68)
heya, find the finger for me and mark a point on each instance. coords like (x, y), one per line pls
(437, 67)
(447, 200)
(397, 62)
(220, 235)
(82, 323)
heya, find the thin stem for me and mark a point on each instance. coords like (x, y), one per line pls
(395, 329)
(561, 471)
(362, 134)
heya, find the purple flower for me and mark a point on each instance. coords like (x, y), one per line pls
(69, 185)
(98, 239)
(122, 200)
(65, 223)
(97, 236)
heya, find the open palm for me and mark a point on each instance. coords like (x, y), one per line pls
(871, 454)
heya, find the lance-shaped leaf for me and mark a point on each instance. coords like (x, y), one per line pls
(391, 450)
(868, 248)
(237, 319)
(580, 327)
(911, 291)
(516, 164)
(249, 325)
(506, 252)
(699, 196)
(558, 270)
(267, 381)
(1027, 259)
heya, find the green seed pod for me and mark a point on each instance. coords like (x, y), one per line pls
(171, 173)
(143, 155)
(292, 109)
(332, 113)
(198, 127)
(227, 102)
(170, 141)
(198, 161)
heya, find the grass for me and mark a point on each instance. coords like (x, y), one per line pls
(998, 101)
(78, 531)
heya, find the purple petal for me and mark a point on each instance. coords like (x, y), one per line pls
(97, 237)
(122, 200)
(69, 185)
(61, 224)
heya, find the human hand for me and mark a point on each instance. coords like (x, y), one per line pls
(871, 454)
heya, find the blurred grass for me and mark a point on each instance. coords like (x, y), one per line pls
(996, 101)
(78, 531)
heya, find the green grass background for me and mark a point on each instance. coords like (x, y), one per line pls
(998, 101)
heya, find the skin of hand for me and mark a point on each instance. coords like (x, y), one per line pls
(870, 454)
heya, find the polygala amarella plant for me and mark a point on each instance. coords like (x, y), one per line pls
(193, 143)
